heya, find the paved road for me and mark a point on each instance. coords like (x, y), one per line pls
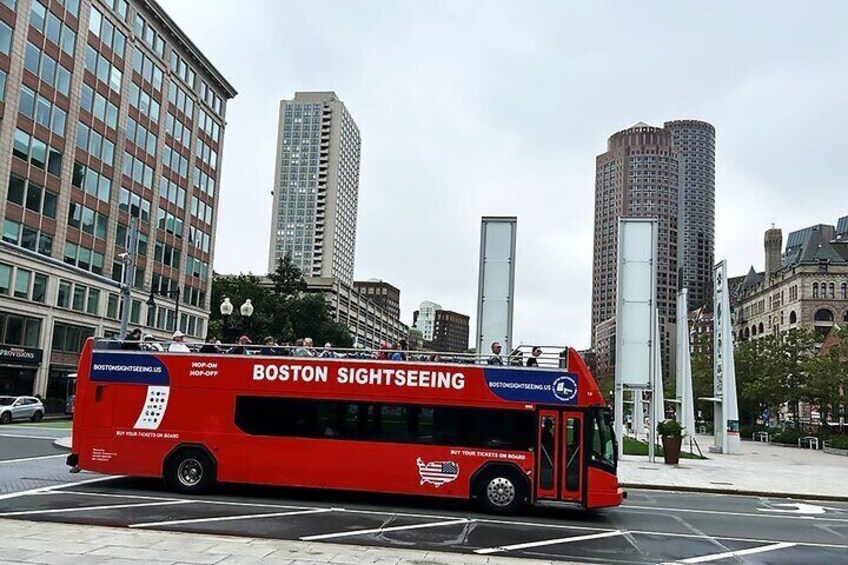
(652, 527)
(29, 460)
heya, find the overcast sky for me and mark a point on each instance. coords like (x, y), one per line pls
(499, 108)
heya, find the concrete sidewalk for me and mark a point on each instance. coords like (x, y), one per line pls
(761, 469)
(50, 543)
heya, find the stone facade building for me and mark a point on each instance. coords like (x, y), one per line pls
(806, 288)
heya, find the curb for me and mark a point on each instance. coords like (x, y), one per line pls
(739, 492)
(63, 442)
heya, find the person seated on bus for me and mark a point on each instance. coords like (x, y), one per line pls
(178, 344)
(133, 340)
(516, 358)
(495, 357)
(210, 345)
(400, 353)
(328, 352)
(435, 358)
(269, 347)
(304, 348)
(241, 348)
(533, 361)
(150, 344)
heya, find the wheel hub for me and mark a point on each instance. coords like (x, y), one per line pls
(190, 472)
(500, 491)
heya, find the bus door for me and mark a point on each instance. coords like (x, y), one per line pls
(559, 454)
(547, 454)
(572, 455)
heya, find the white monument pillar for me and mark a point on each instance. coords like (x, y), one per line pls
(726, 413)
(685, 401)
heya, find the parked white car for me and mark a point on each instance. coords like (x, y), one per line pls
(20, 408)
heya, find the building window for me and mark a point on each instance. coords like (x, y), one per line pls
(832, 290)
(70, 338)
(19, 330)
(843, 291)
(793, 318)
(823, 315)
(815, 290)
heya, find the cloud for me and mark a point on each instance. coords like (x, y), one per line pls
(475, 108)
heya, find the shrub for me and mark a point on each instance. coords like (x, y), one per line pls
(670, 428)
(788, 437)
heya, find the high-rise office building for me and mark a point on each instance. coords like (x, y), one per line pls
(424, 319)
(450, 332)
(383, 294)
(694, 143)
(316, 186)
(109, 112)
(637, 177)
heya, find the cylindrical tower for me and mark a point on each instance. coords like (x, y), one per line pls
(636, 178)
(772, 242)
(694, 142)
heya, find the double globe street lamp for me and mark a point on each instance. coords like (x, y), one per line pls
(226, 309)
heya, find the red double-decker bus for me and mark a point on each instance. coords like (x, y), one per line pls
(502, 436)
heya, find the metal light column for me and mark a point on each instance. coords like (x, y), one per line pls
(127, 274)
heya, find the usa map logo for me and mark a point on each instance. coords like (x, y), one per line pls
(437, 473)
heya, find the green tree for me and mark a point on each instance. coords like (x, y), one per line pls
(287, 278)
(828, 379)
(758, 378)
(282, 310)
(702, 372)
(792, 353)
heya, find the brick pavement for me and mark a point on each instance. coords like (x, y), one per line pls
(48, 543)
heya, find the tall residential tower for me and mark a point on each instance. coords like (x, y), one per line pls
(694, 143)
(316, 186)
(637, 177)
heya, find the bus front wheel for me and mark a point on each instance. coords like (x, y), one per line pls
(501, 491)
(190, 471)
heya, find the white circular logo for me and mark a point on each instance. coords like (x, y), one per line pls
(565, 388)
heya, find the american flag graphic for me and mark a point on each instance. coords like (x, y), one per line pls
(437, 473)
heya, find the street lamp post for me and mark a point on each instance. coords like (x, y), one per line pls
(151, 302)
(246, 311)
(226, 309)
(243, 323)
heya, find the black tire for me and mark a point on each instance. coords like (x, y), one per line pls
(37, 416)
(501, 491)
(6, 418)
(190, 471)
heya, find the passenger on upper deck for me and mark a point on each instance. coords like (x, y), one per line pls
(133, 340)
(240, 349)
(305, 349)
(533, 361)
(150, 344)
(178, 344)
(211, 345)
(270, 347)
(400, 353)
(495, 357)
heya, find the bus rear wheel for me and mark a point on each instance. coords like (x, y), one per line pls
(190, 471)
(501, 491)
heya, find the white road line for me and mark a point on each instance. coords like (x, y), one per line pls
(196, 500)
(26, 436)
(2, 461)
(383, 530)
(91, 508)
(727, 513)
(50, 488)
(740, 553)
(226, 518)
(542, 543)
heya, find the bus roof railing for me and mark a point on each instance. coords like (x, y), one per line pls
(552, 357)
